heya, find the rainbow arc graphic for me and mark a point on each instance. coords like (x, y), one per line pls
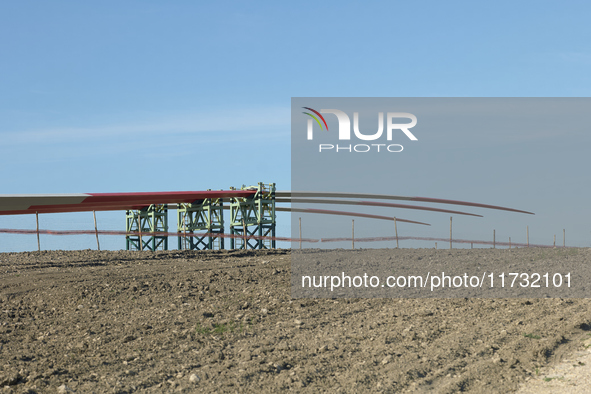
(315, 118)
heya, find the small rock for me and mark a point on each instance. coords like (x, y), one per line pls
(64, 389)
(246, 355)
(128, 338)
(387, 359)
(172, 383)
(264, 311)
(194, 378)
(298, 322)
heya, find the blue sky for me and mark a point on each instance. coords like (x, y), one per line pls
(145, 95)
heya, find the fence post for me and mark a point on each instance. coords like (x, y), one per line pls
(38, 241)
(450, 246)
(396, 230)
(184, 244)
(98, 245)
(300, 233)
(244, 239)
(353, 234)
(139, 225)
(494, 239)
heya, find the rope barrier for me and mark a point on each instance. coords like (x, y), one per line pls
(152, 233)
(258, 237)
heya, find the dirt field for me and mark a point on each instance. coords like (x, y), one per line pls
(105, 322)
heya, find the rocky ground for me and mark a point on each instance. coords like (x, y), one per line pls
(117, 321)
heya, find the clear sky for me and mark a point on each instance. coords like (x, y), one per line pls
(184, 95)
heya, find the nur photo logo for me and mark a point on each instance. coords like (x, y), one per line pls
(344, 130)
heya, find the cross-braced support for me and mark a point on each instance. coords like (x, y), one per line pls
(202, 215)
(253, 216)
(145, 222)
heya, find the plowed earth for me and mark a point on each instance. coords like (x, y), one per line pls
(116, 321)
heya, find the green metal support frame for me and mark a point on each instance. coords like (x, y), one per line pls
(151, 219)
(253, 216)
(201, 215)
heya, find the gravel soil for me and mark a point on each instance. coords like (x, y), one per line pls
(224, 321)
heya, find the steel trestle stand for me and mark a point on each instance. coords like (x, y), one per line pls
(143, 223)
(201, 215)
(253, 216)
